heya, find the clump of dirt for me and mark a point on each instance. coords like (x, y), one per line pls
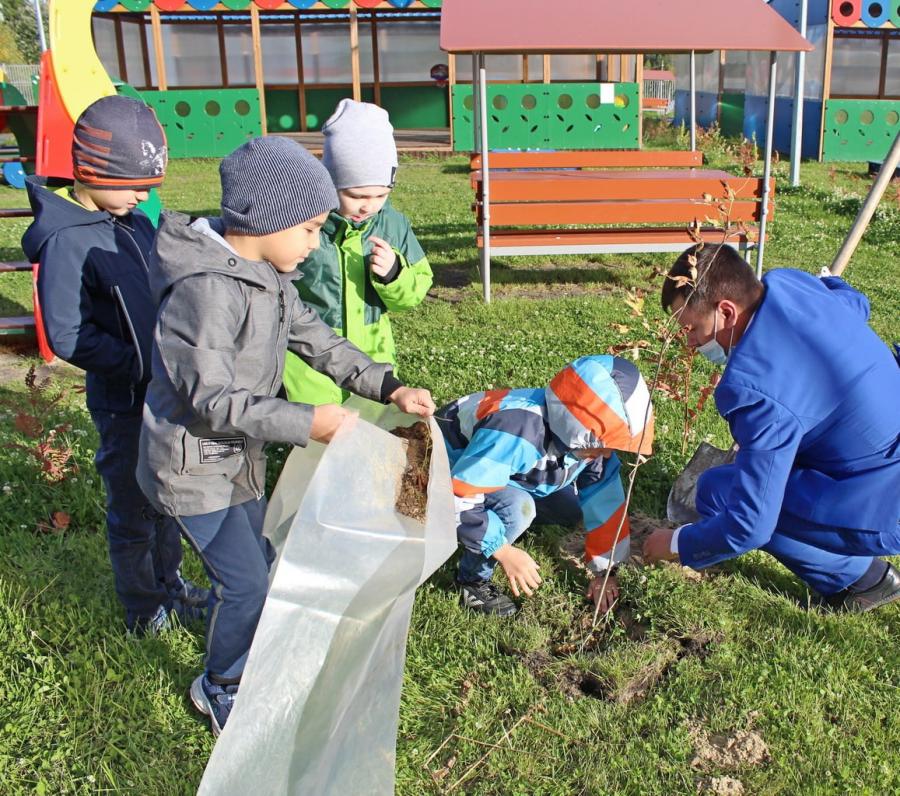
(735, 750)
(465, 694)
(721, 786)
(412, 491)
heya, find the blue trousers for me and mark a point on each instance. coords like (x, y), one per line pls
(237, 558)
(517, 510)
(144, 546)
(828, 559)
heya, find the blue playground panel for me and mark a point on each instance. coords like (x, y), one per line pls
(707, 108)
(755, 123)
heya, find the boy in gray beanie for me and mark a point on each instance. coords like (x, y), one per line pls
(227, 314)
(369, 262)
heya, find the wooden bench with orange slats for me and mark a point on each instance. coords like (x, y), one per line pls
(644, 200)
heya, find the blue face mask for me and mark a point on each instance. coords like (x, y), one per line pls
(712, 350)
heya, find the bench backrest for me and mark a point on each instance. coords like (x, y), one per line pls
(592, 159)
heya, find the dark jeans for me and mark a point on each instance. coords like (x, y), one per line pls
(237, 558)
(144, 546)
(826, 558)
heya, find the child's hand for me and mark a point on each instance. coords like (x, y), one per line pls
(413, 400)
(603, 599)
(382, 258)
(520, 568)
(326, 420)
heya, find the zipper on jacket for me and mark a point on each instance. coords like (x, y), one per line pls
(282, 309)
(134, 339)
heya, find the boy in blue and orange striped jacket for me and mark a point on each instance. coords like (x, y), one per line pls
(545, 453)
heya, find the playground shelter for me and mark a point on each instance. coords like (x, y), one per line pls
(289, 62)
(522, 26)
(848, 91)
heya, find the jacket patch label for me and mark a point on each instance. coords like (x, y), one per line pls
(215, 450)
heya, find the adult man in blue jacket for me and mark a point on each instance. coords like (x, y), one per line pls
(812, 397)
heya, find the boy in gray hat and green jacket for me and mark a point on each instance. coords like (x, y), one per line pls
(227, 314)
(370, 262)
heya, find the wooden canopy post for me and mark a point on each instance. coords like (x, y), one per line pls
(354, 54)
(258, 67)
(161, 83)
(826, 80)
(120, 50)
(145, 55)
(546, 68)
(223, 61)
(376, 64)
(301, 81)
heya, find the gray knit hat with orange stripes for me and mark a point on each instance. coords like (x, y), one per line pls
(119, 144)
(272, 183)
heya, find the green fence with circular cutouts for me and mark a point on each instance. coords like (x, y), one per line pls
(860, 129)
(551, 116)
(206, 123)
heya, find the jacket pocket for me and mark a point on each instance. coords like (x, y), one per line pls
(223, 455)
(129, 333)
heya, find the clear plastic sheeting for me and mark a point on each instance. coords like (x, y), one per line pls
(319, 702)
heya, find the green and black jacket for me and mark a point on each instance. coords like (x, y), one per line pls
(338, 284)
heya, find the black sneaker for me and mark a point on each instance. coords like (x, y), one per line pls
(486, 598)
(213, 700)
(885, 591)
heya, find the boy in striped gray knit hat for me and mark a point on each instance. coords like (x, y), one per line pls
(227, 315)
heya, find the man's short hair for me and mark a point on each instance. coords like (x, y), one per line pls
(721, 273)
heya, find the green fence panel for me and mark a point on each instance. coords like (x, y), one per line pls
(282, 110)
(860, 129)
(321, 102)
(416, 107)
(206, 123)
(731, 114)
(551, 116)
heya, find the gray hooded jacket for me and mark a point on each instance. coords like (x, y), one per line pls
(223, 326)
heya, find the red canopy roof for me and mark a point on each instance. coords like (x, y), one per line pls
(616, 26)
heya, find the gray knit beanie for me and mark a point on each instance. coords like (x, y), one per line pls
(359, 146)
(272, 183)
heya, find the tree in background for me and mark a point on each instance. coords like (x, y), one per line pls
(9, 49)
(18, 17)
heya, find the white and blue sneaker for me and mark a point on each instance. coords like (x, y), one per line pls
(213, 700)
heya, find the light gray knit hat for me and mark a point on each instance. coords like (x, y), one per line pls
(272, 183)
(359, 146)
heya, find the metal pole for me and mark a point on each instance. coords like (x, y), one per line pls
(39, 20)
(693, 101)
(476, 105)
(485, 184)
(797, 126)
(767, 167)
(888, 167)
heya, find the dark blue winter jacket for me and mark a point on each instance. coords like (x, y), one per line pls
(94, 293)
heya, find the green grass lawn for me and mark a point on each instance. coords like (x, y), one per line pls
(641, 705)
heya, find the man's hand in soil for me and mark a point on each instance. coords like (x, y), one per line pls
(600, 597)
(413, 400)
(520, 568)
(658, 546)
(382, 258)
(326, 420)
